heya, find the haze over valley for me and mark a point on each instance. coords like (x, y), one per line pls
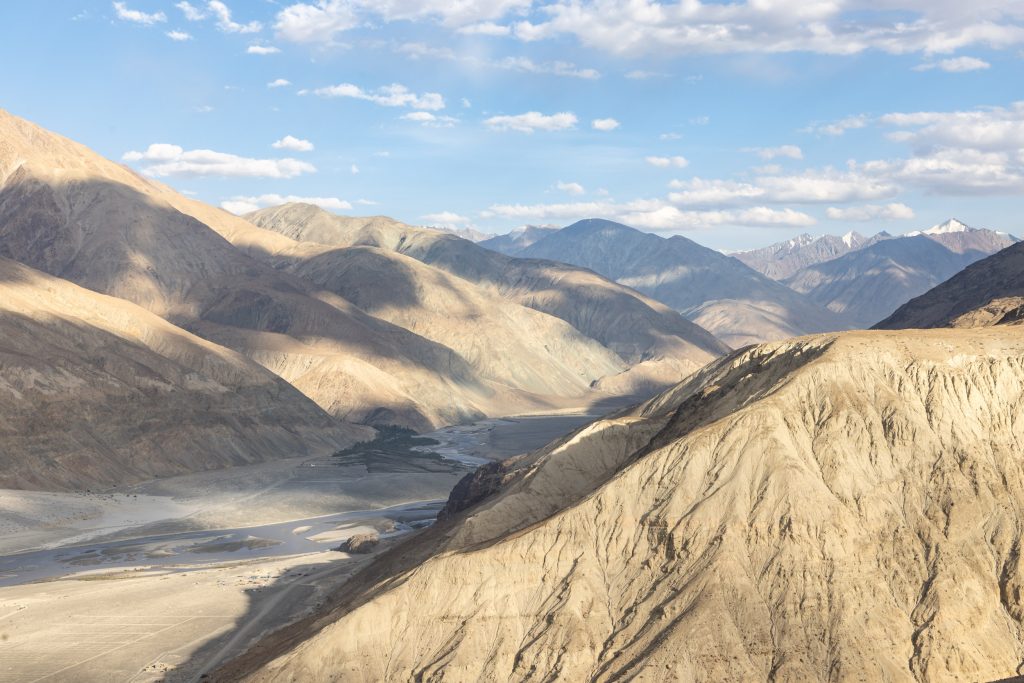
(511, 340)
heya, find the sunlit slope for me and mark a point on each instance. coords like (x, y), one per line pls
(837, 508)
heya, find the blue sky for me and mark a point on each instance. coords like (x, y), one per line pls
(736, 124)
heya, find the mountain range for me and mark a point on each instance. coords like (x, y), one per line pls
(718, 292)
(783, 259)
(372, 333)
(844, 282)
(868, 283)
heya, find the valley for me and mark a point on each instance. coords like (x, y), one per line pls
(165, 579)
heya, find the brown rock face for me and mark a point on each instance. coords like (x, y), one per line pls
(486, 481)
(360, 543)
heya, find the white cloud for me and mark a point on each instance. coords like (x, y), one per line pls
(421, 50)
(485, 28)
(430, 120)
(304, 23)
(354, 169)
(666, 162)
(322, 21)
(224, 22)
(700, 120)
(262, 50)
(837, 128)
(445, 219)
(533, 120)
(955, 65)
(178, 36)
(571, 188)
(558, 68)
(653, 214)
(784, 151)
(956, 171)
(279, 83)
(243, 205)
(293, 144)
(394, 95)
(418, 50)
(466, 103)
(870, 212)
(670, 136)
(811, 187)
(604, 124)
(641, 75)
(137, 16)
(191, 12)
(840, 27)
(991, 129)
(163, 160)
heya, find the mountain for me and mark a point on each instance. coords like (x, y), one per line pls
(501, 340)
(986, 292)
(781, 260)
(518, 239)
(654, 342)
(834, 508)
(97, 392)
(868, 284)
(963, 239)
(73, 214)
(737, 304)
(471, 234)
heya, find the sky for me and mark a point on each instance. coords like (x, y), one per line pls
(736, 124)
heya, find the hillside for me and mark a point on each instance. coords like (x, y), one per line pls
(655, 342)
(838, 507)
(97, 392)
(735, 303)
(999, 277)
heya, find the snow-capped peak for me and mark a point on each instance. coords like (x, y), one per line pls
(850, 239)
(949, 227)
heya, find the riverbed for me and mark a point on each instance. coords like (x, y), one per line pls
(163, 580)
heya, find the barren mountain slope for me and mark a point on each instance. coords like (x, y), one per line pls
(74, 214)
(649, 336)
(501, 340)
(703, 284)
(999, 276)
(844, 507)
(780, 260)
(95, 391)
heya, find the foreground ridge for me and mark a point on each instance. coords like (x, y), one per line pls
(837, 507)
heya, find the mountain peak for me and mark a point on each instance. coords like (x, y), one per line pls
(852, 239)
(949, 227)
